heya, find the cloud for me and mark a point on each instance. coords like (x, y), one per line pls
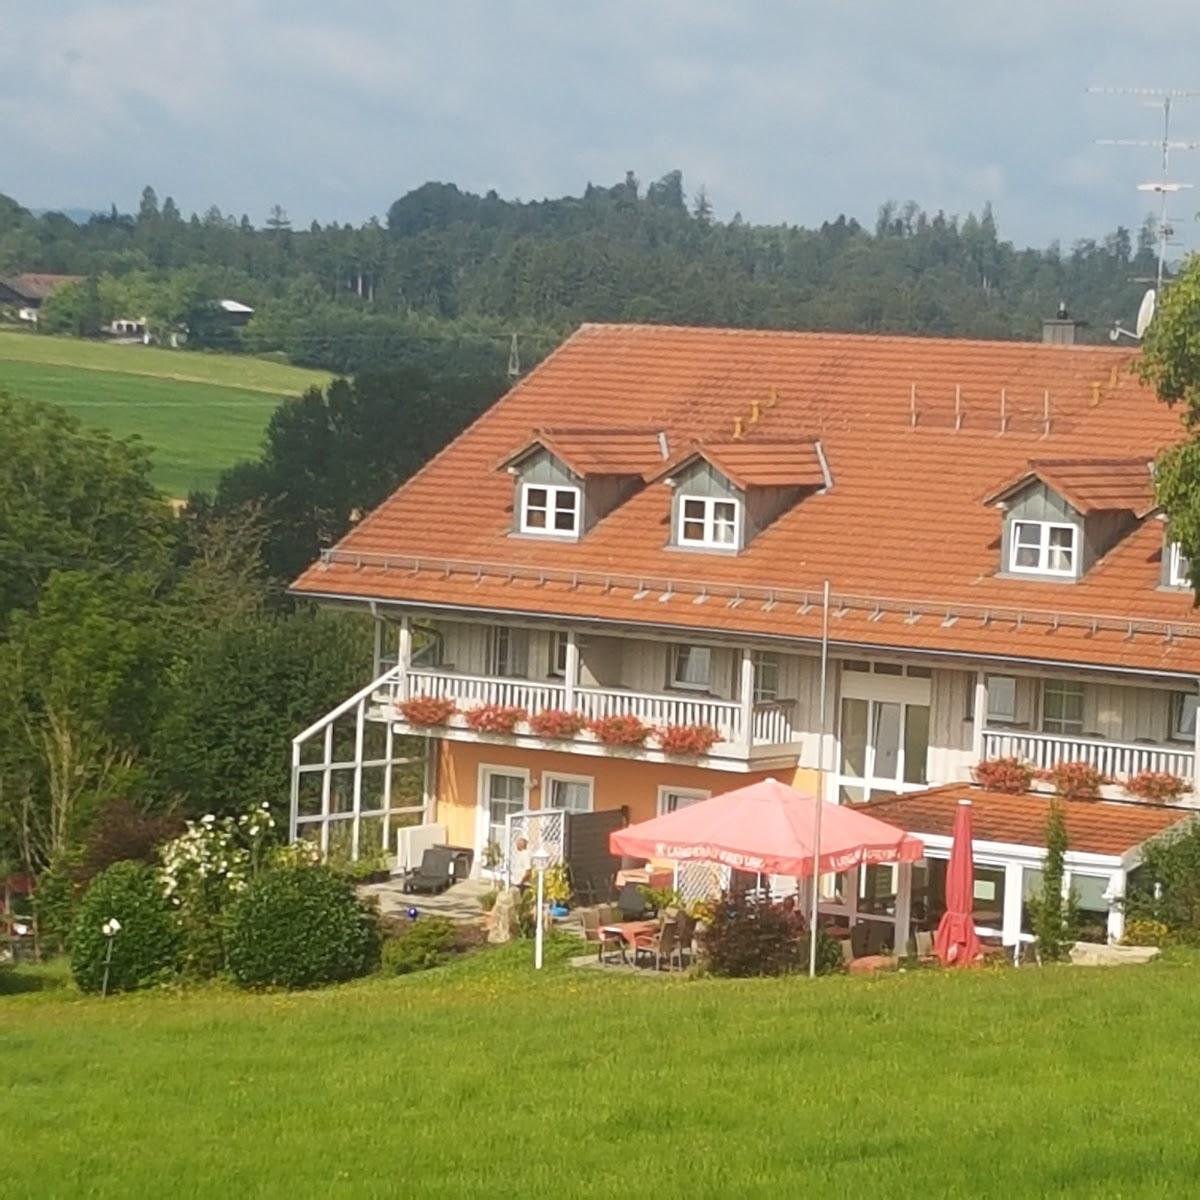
(785, 110)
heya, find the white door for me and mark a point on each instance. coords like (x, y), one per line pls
(501, 794)
(883, 735)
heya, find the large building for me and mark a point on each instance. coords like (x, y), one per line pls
(644, 527)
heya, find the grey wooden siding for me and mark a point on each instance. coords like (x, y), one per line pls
(1101, 532)
(701, 479)
(599, 496)
(951, 727)
(1038, 503)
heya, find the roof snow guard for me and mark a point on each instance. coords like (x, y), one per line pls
(1089, 484)
(598, 450)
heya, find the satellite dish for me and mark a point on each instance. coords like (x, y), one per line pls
(1145, 313)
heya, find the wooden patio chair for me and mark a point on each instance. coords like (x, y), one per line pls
(663, 945)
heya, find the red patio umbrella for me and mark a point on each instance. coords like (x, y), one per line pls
(767, 827)
(956, 943)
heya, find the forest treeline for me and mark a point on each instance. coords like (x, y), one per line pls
(448, 276)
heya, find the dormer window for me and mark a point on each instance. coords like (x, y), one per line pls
(1178, 567)
(708, 522)
(1043, 548)
(550, 510)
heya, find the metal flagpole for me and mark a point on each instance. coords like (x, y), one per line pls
(816, 863)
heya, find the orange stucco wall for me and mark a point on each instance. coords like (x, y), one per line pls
(617, 781)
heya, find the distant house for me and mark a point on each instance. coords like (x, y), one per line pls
(27, 292)
(235, 312)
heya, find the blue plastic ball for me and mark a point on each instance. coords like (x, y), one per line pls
(413, 914)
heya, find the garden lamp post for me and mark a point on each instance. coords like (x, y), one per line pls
(110, 929)
(540, 859)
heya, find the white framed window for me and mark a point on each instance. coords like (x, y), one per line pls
(671, 799)
(691, 668)
(1178, 567)
(1183, 716)
(557, 667)
(766, 677)
(1002, 699)
(508, 652)
(1062, 706)
(573, 793)
(550, 510)
(1043, 548)
(708, 521)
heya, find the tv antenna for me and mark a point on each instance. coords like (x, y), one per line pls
(1164, 186)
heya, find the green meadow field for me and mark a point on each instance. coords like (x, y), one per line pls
(484, 1079)
(197, 412)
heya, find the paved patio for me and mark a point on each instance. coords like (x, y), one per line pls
(459, 903)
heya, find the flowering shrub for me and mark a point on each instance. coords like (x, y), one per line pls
(688, 739)
(1159, 787)
(427, 710)
(298, 927)
(142, 945)
(495, 718)
(620, 731)
(204, 869)
(1075, 780)
(557, 723)
(1004, 775)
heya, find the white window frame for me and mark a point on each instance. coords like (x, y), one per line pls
(557, 666)
(692, 794)
(1062, 684)
(549, 778)
(1180, 730)
(553, 491)
(676, 685)
(1044, 530)
(771, 659)
(994, 713)
(505, 642)
(483, 808)
(1177, 567)
(708, 539)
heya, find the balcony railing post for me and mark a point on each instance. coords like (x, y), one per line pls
(980, 713)
(746, 701)
(571, 677)
(404, 657)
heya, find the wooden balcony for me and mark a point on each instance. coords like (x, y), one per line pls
(761, 735)
(1117, 760)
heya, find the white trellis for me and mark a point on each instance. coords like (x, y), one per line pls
(696, 879)
(344, 765)
(542, 828)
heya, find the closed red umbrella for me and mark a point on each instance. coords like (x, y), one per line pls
(956, 943)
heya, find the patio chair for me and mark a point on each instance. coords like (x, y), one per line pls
(686, 926)
(435, 874)
(663, 945)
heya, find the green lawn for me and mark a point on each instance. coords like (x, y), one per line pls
(198, 413)
(483, 1080)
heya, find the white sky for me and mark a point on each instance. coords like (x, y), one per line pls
(787, 110)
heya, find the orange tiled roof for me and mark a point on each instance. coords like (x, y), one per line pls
(911, 553)
(1093, 826)
(599, 450)
(793, 463)
(1091, 484)
(35, 286)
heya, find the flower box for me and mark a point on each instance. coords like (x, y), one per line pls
(427, 710)
(557, 723)
(495, 718)
(1075, 780)
(689, 740)
(620, 731)
(1011, 775)
(1157, 787)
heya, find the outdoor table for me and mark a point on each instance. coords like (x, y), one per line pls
(627, 932)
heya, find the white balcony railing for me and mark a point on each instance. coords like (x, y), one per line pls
(1117, 760)
(722, 715)
(772, 724)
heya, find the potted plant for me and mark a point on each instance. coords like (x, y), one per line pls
(557, 723)
(620, 731)
(689, 740)
(1156, 787)
(1011, 775)
(495, 718)
(1075, 780)
(427, 710)
(558, 889)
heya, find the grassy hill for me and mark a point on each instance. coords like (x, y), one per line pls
(482, 1079)
(199, 413)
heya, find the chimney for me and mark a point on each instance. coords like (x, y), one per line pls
(1059, 330)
